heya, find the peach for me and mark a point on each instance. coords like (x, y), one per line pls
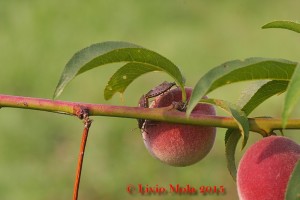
(265, 168)
(178, 144)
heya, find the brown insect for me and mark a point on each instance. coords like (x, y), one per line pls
(158, 90)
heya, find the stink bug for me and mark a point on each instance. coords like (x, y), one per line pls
(158, 90)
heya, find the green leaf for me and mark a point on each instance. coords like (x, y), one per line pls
(266, 91)
(236, 113)
(232, 136)
(249, 91)
(124, 76)
(290, 25)
(292, 95)
(111, 52)
(293, 188)
(236, 71)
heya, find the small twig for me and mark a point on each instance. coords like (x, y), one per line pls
(87, 123)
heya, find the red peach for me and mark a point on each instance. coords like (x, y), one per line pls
(265, 168)
(178, 144)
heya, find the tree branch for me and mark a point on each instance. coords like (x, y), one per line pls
(167, 114)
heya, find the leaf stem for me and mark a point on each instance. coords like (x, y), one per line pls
(167, 114)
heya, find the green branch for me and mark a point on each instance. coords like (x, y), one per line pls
(167, 114)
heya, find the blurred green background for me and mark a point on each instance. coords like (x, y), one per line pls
(39, 150)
